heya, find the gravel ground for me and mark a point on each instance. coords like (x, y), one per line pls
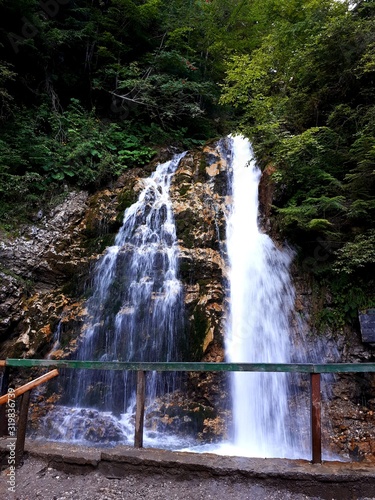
(35, 480)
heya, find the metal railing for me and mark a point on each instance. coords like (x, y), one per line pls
(315, 370)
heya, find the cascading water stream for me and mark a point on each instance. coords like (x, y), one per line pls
(135, 311)
(136, 308)
(258, 331)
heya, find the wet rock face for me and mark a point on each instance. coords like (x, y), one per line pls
(349, 407)
(10, 304)
(34, 265)
(266, 195)
(45, 273)
(349, 414)
(352, 417)
(190, 413)
(89, 425)
(46, 253)
(199, 193)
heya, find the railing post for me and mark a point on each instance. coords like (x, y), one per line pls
(3, 390)
(21, 428)
(140, 409)
(316, 420)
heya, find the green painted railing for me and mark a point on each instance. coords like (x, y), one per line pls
(183, 366)
(315, 370)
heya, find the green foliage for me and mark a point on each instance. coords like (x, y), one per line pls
(357, 255)
(346, 296)
(88, 89)
(304, 95)
(43, 151)
(167, 91)
(6, 75)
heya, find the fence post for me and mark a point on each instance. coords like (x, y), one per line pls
(316, 420)
(3, 390)
(140, 409)
(21, 428)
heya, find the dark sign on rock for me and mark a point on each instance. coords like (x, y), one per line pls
(367, 322)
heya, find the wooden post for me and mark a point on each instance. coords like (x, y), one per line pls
(3, 391)
(140, 409)
(21, 428)
(316, 421)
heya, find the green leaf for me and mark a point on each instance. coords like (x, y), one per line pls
(59, 176)
(319, 224)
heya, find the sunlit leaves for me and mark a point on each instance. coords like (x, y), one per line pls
(357, 254)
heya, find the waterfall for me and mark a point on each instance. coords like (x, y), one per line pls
(261, 303)
(136, 308)
(135, 313)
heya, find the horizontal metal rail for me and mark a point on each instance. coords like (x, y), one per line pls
(183, 366)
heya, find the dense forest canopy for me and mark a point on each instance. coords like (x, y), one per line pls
(90, 88)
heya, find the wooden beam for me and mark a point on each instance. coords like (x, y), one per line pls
(140, 409)
(5, 381)
(29, 386)
(316, 420)
(21, 427)
(4, 390)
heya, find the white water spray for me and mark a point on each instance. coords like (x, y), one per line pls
(262, 300)
(136, 306)
(135, 313)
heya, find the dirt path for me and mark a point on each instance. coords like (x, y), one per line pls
(60, 471)
(35, 480)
